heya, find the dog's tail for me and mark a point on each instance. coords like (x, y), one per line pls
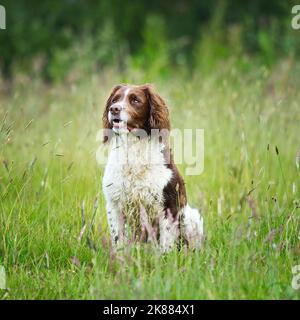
(192, 227)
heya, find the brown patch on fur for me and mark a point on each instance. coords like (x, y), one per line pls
(159, 113)
(107, 126)
(174, 191)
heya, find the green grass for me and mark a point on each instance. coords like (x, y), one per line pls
(251, 209)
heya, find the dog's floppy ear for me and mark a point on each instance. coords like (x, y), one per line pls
(105, 122)
(159, 114)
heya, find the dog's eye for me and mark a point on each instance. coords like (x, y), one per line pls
(135, 100)
(115, 98)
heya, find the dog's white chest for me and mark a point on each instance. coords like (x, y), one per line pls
(135, 173)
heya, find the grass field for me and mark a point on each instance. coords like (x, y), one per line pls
(248, 193)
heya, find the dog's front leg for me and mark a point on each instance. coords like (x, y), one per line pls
(193, 227)
(169, 233)
(116, 223)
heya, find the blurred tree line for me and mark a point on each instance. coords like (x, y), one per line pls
(50, 36)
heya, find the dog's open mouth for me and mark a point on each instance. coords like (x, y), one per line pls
(118, 123)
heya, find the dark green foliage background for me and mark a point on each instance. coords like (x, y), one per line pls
(119, 28)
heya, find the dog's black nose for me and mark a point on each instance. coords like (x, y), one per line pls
(115, 109)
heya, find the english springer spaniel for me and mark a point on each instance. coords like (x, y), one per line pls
(144, 191)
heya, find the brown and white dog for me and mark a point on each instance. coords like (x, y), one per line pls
(145, 194)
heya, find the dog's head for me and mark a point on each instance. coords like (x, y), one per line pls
(130, 108)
